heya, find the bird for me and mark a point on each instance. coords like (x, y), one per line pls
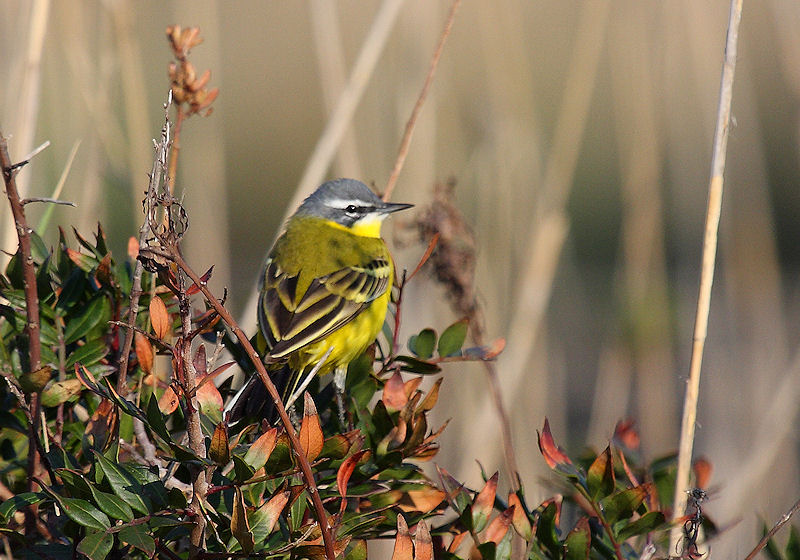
(324, 292)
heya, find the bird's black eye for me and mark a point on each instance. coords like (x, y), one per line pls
(351, 209)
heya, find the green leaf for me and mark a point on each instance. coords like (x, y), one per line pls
(622, 504)
(650, 521)
(422, 344)
(487, 550)
(503, 549)
(154, 489)
(84, 513)
(60, 392)
(137, 536)
(88, 354)
(793, 545)
(452, 339)
(20, 501)
(242, 471)
(71, 291)
(79, 326)
(112, 505)
(547, 531)
(123, 484)
(578, 542)
(600, 476)
(96, 545)
(156, 419)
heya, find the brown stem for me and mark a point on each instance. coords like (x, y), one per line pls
(175, 149)
(193, 429)
(32, 325)
(305, 467)
(412, 120)
(781, 522)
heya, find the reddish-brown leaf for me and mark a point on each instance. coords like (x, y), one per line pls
(258, 453)
(423, 500)
(626, 435)
(702, 472)
(273, 509)
(394, 394)
(159, 317)
(144, 351)
(311, 438)
(456, 542)
(103, 423)
(498, 528)
(218, 451)
(484, 503)
(133, 248)
(411, 385)
(423, 544)
(426, 255)
(403, 546)
(199, 361)
(552, 454)
(193, 289)
(346, 471)
(168, 402)
(520, 521)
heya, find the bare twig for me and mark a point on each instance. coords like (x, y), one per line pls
(32, 324)
(305, 467)
(423, 94)
(781, 522)
(156, 173)
(707, 272)
(15, 167)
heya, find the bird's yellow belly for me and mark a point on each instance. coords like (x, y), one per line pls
(348, 342)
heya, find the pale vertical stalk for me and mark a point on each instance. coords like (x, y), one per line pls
(713, 211)
(25, 112)
(332, 70)
(340, 119)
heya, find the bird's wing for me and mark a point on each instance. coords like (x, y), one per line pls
(290, 321)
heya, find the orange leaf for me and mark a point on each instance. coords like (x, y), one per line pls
(457, 540)
(258, 453)
(394, 394)
(273, 509)
(346, 470)
(702, 472)
(403, 547)
(423, 544)
(159, 317)
(625, 434)
(552, 454)
(431, 398)
(144, 351)
(133, 248)
(103, 424)
(519, 520)
(311, 438)
(423, 500)
(168, 402)
(209, 398)
(484, 503)
(218, 451)
(498, 528)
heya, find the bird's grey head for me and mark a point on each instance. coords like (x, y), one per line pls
(346, 201)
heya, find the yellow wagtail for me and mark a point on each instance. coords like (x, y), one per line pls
(325, 290)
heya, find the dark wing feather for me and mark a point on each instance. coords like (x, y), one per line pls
(330, 302)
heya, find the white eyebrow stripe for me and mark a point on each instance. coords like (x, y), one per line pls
(343, 203)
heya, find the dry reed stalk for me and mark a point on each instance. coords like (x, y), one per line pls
(714, 208)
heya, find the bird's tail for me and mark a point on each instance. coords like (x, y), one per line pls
(253, 403)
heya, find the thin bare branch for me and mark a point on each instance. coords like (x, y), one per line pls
(25, 201)
(707, 272)
(781, 522)
(423, 94)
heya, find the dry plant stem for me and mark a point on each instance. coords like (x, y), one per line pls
(777, 527)
(707, 271)
(32, 325)
(340, 119)
(412, 120)
(196, 441)
(308, 475)
(512, 469)
(156, 172)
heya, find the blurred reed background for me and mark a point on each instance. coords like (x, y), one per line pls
(579, 134)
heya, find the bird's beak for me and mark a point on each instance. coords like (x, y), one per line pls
(390, 207)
